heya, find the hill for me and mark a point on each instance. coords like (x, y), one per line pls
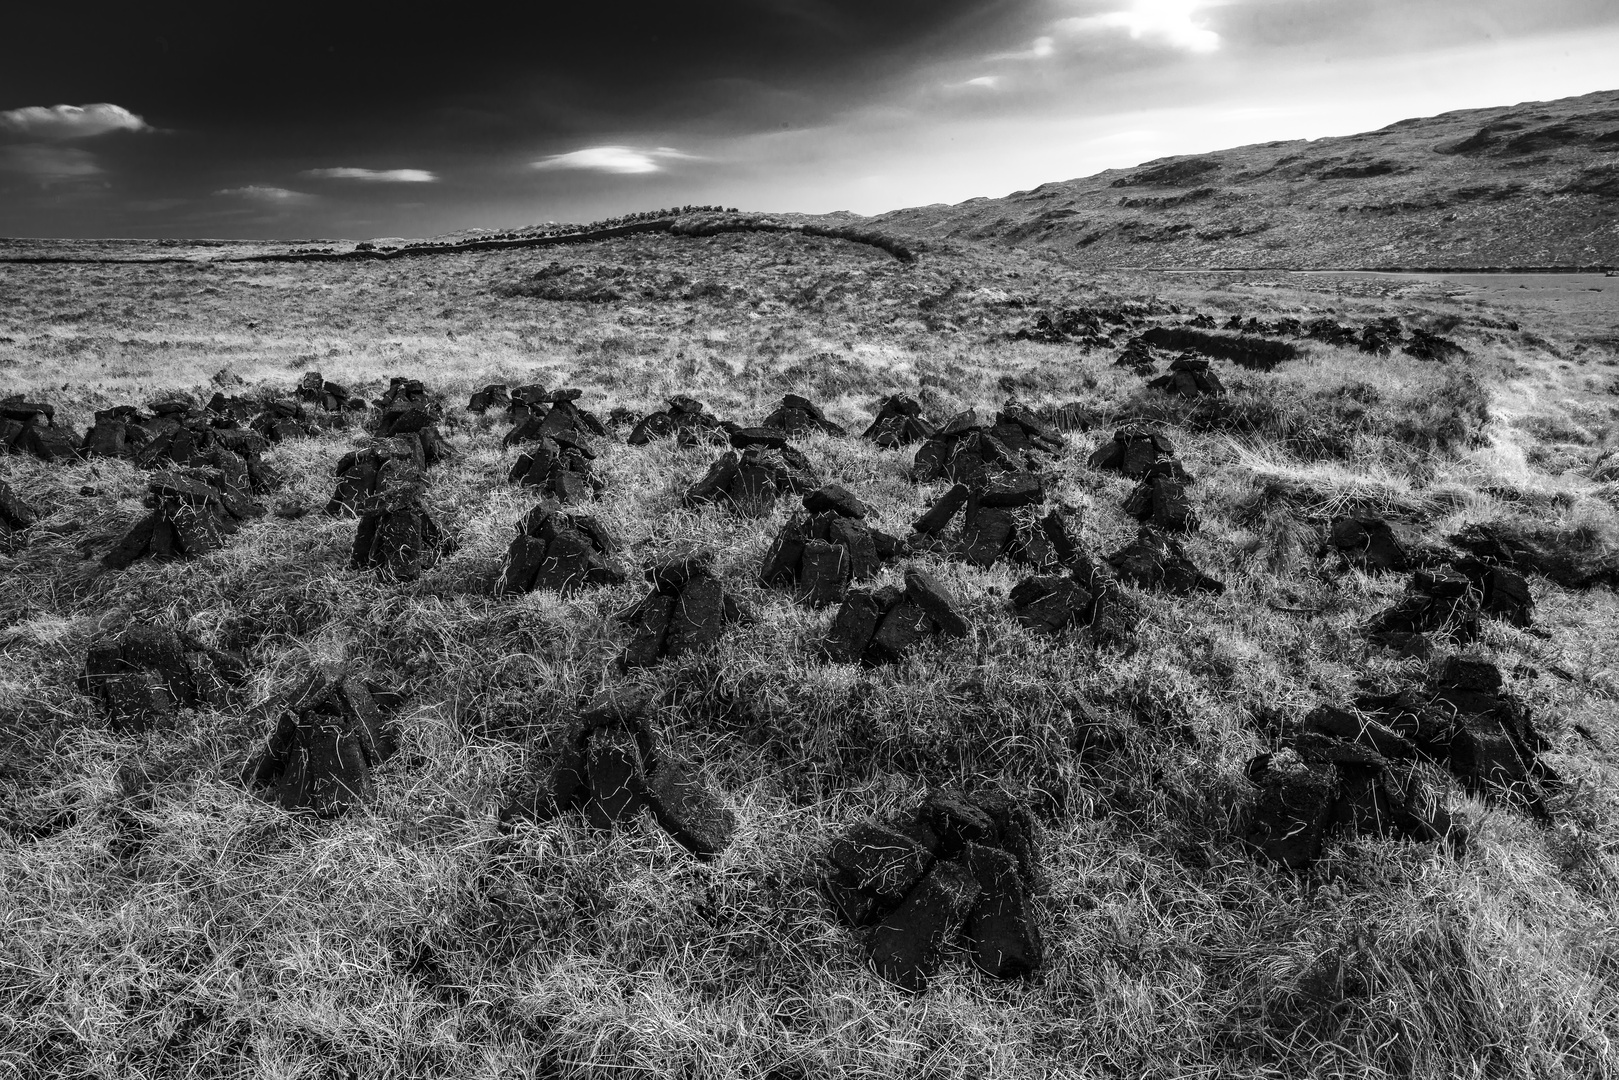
(1534, 184)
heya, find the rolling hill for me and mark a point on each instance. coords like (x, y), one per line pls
(1529, 185)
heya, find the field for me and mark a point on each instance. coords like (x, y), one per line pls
(158, 920)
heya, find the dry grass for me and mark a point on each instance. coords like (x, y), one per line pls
(175, 926)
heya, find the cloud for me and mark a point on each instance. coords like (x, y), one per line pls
(988, 82)
(264, 193)
(49, 164)
(1163, 22)
(381, 176)
(61, 122)
(1039, 49)
(623, 160)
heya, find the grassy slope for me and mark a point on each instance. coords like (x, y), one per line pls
(180, 927)
(1534, 184)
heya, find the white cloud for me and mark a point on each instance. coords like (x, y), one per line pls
(988, 82)
(382, 176)
(58, 122)
(264, 193)
(624, 160)
(49, 164)
(1163, 22)
(1039, 49)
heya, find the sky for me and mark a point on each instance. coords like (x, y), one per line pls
(305, 120)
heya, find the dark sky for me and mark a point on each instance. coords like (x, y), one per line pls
(303, 119)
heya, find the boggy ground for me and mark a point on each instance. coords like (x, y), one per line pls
(157, 920)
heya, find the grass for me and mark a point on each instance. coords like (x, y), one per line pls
(173, 925)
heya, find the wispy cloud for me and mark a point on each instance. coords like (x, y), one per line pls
(1161, 22)
(623, 160)
(61, 122)
(49, 164)
(1039, 49)
(265, 194)
(986, 82)
(381, 176)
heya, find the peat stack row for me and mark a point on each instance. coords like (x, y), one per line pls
(958, 867)
(819, 552)
(192, 512)
(1138, 357)
(879, 626)
(686, 419)
(1250, 352)
(686, 612)
(560, 551)
(613, 766)
(29, 427)
(1156, 560)
(997, 519)
(752, 482)
(178, 435)
(329, 739)
(968, 444)
(144, 674)
(1134, 450)
(281, 421)
(899, 422)
(118, 432)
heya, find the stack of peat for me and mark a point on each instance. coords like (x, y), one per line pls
(406, 409)
(957, 867)
(686, 419)
(279, 421)
(1137, 356)
(799, 416)
(143, 674)
(997, 518)
(396, 536)
(612, 766)
(179, 434)
(752, 482)
(1189, 376)
(879, 626)
(314, 389)
(559, 465)
(494, 396)
(819, 552)
(685, 613)
(559, 551)
(967, 444)
(29, 427)
(899, 422)
(1087, 597)
(192, 511)
(362, 474)
(15, 515)
(1250, 352)
(552, 414)
(329, 739)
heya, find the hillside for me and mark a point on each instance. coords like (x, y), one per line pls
(1534, 184)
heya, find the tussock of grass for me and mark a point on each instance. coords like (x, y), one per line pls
(156, 920)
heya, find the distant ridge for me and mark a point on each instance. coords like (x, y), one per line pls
(1530, 186)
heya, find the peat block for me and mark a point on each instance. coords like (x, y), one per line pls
(997, 521)
(560, 420)
(1189, 377)
(279, 421)
(687, 610)
(876, 626)
(899, 422)
(613, 764)
(1156, 560)
(561, 470)
(1160, 501)
(1132, 451)
(751, 482)
(1250, 352)
(1051, 603)
(686, 420)
(143, 674)
(314, 389)
(364, 475)
(1137, 355)
(798, 416)
(118, 432)
(493, 396)
(561, 551)
(396, 536)
(1369, 543)
(1568, 559)
(1438, 601)
(969, 444)
(15, 515)
(192, 511)
(819, 553)
(958, 867)
(29, 427)
(329, 739)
